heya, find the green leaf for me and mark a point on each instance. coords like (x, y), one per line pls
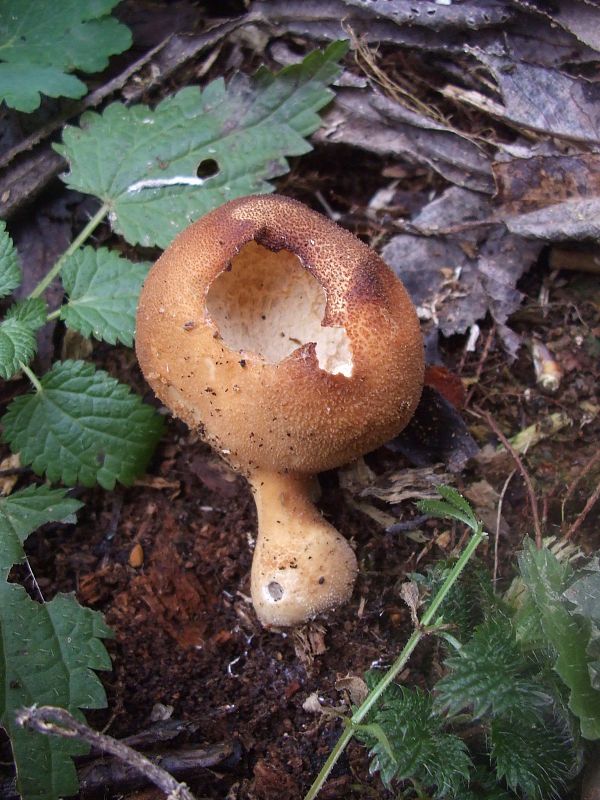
(31, 312)
(439, 508)
(488, 673)
(24, 511)
(17, 334)
(584, 593)
(466, 603)
(531, 755)
(546, 579)
(22, 84)
(144, 163)
(415, 744)
(484, 786)
(456, 499)
(47, 654)
(103, 291)
(82, 426)
(10, 273)
(41, 42)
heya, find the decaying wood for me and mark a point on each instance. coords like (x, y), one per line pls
(129, 769)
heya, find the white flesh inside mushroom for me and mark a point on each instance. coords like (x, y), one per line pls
(268, 304)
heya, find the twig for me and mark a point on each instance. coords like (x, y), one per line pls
(515, 456)
(59, 722)
(588, 506)
(484, 354)
(8, 473)
(591, 463)
(498, 518)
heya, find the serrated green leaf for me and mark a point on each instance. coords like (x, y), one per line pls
(547, 579)
(10, 272)
(24, 511)
(488, 674)
(415, 744)
(21, 85)
(41, 42)
(144, 163)
(103, 291)
(439, 508)
(531, 755)
(47, 654)
(17, 334)
(31, 311)
(82, 426)
(584, 593)
(468, 599)
(375, 731)
(484, 786)
(593, 654)
(456, 499)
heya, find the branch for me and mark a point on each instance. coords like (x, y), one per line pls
(524, 473)
(59, 722)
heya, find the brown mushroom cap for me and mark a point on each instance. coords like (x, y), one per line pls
(287, 414)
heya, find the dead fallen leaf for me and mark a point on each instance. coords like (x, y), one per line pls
(456, 280)
(409, 592)
(406, 484)
(355, 686)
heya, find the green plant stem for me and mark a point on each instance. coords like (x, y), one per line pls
(75, 244)
(397, 666)
(32, 377)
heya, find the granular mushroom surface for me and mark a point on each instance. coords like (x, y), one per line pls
(292, 347)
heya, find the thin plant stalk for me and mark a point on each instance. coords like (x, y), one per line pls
(75, 245)
(32, 377)
(414, 639)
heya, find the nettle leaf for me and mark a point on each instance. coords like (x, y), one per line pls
(21, 85)
(103, 291)
(24, 511)
(158, 169)
(82, 426)
(415, 744)
(41, 42)
(487, 673)
(532, 755)
(47, 654)
(31, 311)
(547, 578)
(10, 272)
(17, 334)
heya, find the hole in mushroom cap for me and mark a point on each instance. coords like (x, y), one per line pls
(267, 303)
(275, 590)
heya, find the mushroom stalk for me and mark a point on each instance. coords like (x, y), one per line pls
(302, 565)
(292, 348)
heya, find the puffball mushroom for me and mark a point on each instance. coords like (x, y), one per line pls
(292, 348)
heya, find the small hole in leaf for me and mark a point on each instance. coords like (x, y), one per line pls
(207, 168)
